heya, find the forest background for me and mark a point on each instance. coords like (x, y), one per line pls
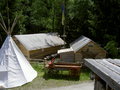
(97, 19)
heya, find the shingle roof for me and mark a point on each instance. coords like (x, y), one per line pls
(79, 43)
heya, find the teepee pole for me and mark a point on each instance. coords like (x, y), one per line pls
(3, 23)
(9, 32)
(13, 25)
(8, 29)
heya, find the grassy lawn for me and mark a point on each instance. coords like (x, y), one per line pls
(52, 80)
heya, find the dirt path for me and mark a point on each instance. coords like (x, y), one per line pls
(81, 86)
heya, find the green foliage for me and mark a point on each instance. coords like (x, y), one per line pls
(111, 47)
(77, 19)
(12, 8)
(106, 13)
(96, 19)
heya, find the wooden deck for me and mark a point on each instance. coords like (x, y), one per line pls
(107, 69)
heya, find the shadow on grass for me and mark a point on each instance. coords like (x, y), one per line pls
(59, 75)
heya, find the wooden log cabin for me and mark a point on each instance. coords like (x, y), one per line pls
(36, 46)
(82, 48)
(107, 73)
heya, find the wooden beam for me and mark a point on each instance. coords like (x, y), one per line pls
(3, 23)
(108, 87)
(115, 62)
(110, 66)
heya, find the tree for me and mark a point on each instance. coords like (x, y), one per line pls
(106, 22)
(77, 19)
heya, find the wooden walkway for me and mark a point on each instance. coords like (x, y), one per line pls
(107, 69)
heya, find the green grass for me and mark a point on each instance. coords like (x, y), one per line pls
(61, 78)
(52, 80)
(39, 67)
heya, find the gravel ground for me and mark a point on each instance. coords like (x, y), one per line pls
(82, 86)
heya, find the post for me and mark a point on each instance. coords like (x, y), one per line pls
(2, 88)
(63, 20)
(99, 83)
(108, 87)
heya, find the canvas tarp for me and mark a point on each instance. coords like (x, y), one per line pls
(39, 41)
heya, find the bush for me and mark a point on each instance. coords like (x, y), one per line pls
(111, 47)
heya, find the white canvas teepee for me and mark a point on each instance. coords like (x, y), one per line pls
(15, 70)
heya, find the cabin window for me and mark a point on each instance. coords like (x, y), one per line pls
(90, 45)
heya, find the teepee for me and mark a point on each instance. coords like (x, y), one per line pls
(15, 70)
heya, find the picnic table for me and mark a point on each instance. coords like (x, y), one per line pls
(73, 68)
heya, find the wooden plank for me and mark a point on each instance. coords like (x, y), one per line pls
(39, 53)
(111, 78)
(21, 47)
(66, 66)
(111, 73)
(41, 60)
(110, 66)
(67, 63)
(114, 61)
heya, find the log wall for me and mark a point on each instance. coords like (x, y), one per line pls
(91, 50)
(40, 53)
